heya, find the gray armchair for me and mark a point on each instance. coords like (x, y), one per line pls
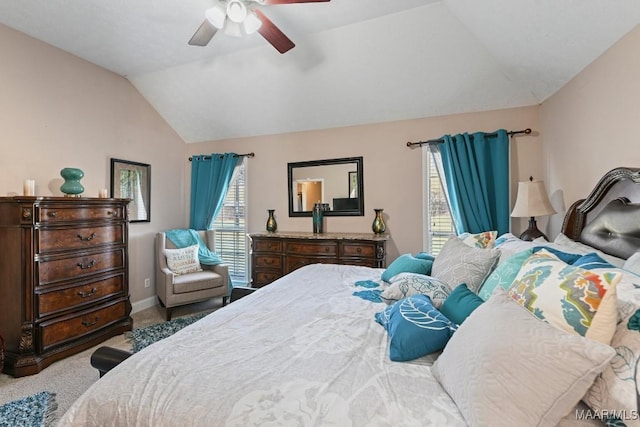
(175, 290)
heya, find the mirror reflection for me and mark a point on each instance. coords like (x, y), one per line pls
(132, 180)
(336, 183)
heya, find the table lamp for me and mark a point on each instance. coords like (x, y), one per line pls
(532, 201)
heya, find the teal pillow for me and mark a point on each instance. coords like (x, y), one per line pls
(425, 255)
(460, 304)
(591, 262)
(504, 274)
(566, 257)
(415, 327)
(407, 263)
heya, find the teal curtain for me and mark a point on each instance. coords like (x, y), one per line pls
(210, 179)
(476, 171)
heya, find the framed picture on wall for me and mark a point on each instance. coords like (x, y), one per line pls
(353, 185)
(132, 180)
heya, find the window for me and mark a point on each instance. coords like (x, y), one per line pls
(230, 227)
(438, 223)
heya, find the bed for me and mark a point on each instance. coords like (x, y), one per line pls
(307, 350)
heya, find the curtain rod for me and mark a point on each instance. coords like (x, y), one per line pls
(526, 131)
(252, 154)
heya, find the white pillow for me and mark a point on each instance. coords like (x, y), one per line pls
(633, 263)
(580, 248)
(183, 260)
(509, 245)
(505, 367)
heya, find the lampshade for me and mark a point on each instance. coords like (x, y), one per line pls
(532, 200)
(236, 11)
(252, 23)
(216, 15)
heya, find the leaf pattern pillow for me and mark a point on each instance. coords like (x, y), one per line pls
(617, 389)
(415, 328)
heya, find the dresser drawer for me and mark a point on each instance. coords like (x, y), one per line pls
(269, 261)
(53, 270)
(50, 214)
(311, 248)
(267, 245)
(264, 277)
(50, 302)
(358, 250)
(73, 327)
(79, 238)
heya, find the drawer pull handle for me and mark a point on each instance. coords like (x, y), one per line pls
(268, 261)
(85, 266)
(86, 322)
(87, 294)
(110, 213)
(87, 239)
(359, 250)
(52, 214)
(326, 249)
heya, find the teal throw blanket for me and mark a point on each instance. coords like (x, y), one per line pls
(189, 237)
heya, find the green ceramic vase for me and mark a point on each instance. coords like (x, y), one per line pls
(72, 186)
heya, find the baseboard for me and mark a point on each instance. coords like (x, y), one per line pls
(143, 304)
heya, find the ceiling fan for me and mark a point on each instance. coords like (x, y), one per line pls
(238, 17)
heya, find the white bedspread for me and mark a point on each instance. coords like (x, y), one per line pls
(300, 351)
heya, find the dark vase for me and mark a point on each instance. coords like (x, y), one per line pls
(272, 225)
(72, 186)
(318, 218)
(378, 225)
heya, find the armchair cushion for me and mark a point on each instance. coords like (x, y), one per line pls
(183, 260)
(197, 281)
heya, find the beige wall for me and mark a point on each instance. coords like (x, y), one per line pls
(392, 172)
(590, 126)
(58, 111)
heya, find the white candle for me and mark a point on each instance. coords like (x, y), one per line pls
(102, 193)
(29, 187)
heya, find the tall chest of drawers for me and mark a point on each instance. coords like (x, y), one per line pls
(275, 254)
(63, 277)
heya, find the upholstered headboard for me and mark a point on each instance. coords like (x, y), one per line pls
(609, 218)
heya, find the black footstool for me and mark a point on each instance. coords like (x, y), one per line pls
(106, 358)
(240, 291)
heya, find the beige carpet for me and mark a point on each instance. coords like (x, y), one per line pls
(70, 377)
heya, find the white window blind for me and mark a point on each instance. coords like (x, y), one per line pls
(230, 227)
(439, 225)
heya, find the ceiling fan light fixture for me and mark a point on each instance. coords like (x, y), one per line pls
(233, 29)
(252, 23)
(216, 15)
(236, 11)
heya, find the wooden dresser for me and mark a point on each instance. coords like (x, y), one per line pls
(63, 277)
(275, 254)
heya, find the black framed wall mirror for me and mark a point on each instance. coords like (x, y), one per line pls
(336, 182)
(132, 180)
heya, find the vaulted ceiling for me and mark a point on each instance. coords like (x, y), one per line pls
(355, 61)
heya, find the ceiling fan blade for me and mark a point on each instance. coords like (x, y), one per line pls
(272, 34)
(270, 2)
(203, 34)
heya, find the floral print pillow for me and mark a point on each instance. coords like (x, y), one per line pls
(484, 240)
